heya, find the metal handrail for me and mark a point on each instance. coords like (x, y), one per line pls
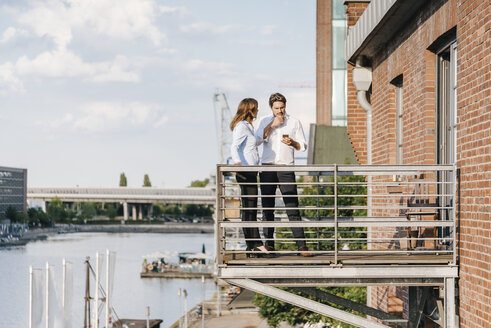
(392, 208)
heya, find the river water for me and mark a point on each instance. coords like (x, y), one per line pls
(131, 294)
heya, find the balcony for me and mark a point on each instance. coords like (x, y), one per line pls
(375, 225)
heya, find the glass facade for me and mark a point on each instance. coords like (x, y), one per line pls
(13, 189)
(339, 73)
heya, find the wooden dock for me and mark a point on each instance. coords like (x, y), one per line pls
(176, 274)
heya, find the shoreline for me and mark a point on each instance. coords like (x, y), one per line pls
(41, 234)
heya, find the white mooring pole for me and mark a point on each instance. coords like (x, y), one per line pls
(47, 295)
(96, 297)
(30, 295)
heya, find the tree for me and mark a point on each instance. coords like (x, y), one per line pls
(158, 209)
(88, 211)
(56, 211)
(197, 210)
(200, 183)
(111, 211)
(11, 214)
(37, 217)
(275, 311)
(123, 182)
(146, 181)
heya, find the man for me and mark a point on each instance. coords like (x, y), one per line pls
(282, 135)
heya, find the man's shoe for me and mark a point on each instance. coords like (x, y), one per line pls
(304, 251)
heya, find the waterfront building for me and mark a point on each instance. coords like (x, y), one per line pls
(421, 70)
(13, 189)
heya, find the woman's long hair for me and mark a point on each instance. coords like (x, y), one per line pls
(245, 110)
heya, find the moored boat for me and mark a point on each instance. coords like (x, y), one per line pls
(190, 265)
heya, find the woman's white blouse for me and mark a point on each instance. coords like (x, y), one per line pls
(244, 144)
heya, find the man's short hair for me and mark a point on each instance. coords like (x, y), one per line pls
(276, 97)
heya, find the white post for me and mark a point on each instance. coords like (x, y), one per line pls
(185, 293)
(63, 290)
(107, 289)
(449, 311)
(180, 307)
(125, 211)
(30, 296)
(148, 316)
(203, 302)
(219, 301)
(96, 297)
(47, 295)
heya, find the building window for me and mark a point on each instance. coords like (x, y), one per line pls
(446, 106)
(445, 49)
(339, 73)
(397, 82)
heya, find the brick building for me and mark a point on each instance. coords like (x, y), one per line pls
(424, 77)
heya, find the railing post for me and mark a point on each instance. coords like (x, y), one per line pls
(336, 214)
(455, 192)
(317, 229)
(219, 216)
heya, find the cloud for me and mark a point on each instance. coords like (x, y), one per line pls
(104, 116)
(167, 51)
(11, 33)
(208, 28)
(161, 121)
(263, 43)
(301, 104)
(202, 73)
(117, 70)
(268, 29)
(124, 19)
(57, 123)
(173, 10)
(9, 82)
(64, 63)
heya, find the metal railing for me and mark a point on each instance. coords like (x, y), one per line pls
(366, 211)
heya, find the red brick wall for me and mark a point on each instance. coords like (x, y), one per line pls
(407, 54)
(474, 160)
(357, 127)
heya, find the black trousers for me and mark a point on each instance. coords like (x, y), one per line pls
(249, 215)
(290, 199)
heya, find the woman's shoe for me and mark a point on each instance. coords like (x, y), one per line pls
(262, 251)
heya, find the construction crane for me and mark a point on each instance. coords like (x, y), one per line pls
(223, 117)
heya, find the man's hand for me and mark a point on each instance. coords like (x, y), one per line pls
(238, 163)
(277, 121)
(290, 142)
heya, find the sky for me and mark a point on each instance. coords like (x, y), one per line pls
(93, 88)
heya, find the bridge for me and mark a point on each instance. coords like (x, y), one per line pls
(134, 198)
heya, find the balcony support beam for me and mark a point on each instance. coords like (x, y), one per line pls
(305, 303)
(322, 295)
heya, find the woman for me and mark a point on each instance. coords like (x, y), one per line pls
(244, 152)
